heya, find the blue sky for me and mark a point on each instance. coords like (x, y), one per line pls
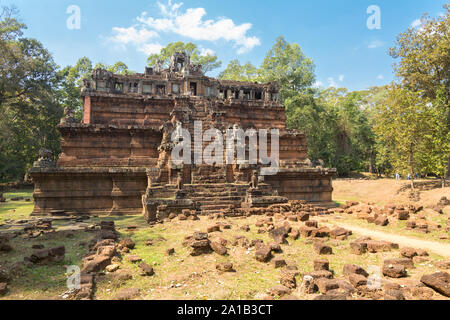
(333, 33)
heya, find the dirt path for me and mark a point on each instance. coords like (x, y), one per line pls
(442, 249)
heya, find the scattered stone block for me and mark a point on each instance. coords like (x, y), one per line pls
(406, 262)
(225, 267)
(321, 264)
(357, 280)
(112, 267)
(303, 216)
(444, 265)
(440, 282)
(312, 224)
(218, 248)
(408, 252)
(245, 228)
(321, 274)
(145, 269)
(214, 228)
(3, 288)
(127, 243)
(279, 235)
(308, 286)
(340, 233)
(321, 232)
(324, 285)
(127, 294)
(294, 234)
(133, 258)
(288, 279)
(321, 248)
(97, 264)
(358, 248)
(381, 221)
(263, 254)
(402, 215)
(279, 290)
(394, 270)
(393, 295)
(47, 256)
(275, 247)
(279, 263)
(350, 269)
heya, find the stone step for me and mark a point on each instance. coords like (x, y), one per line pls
(208, 208)
(219, 201)
(219, 195)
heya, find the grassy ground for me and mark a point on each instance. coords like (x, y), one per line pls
(16, 210)
(181, 276)
(184, 277)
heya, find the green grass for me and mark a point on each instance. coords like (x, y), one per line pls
(45, 281)
(181, 276)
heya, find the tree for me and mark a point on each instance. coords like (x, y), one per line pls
(307, 113)
(237, 72)
(71, 81)
(208, 61)
(27, 68)
(424, 68)
(403, 123)
(29, 112)
(424, 55)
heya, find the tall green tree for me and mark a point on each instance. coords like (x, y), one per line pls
(237, 72)
(424, 71)
(71, 81)
(208, 61)
(286, 64)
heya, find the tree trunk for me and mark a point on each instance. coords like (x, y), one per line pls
(412, 184)
(448, 167)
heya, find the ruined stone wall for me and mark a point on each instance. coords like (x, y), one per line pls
(116, 110)
(104, 146)
(88, 191)
(308, 184)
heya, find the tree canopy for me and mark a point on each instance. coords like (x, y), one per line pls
(207, 60)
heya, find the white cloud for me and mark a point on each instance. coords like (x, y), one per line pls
(375, 44)
(380, 77)
(190, 24)
(132, 35)
(150, 48)
(206, 52)
(341, 77)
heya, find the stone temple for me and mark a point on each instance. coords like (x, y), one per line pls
(118, 159)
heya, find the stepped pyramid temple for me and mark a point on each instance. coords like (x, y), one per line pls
(118, 159)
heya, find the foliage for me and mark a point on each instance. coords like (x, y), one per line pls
(71, 81)
(237, 72)
(285, 64)
(415, 121)
(29, 112)
(207, 60)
